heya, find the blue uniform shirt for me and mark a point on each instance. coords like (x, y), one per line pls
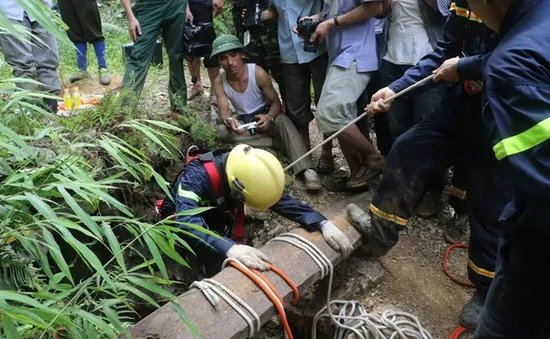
(517, 87)
(194, 187)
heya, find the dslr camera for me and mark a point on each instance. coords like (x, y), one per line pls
(306, 28)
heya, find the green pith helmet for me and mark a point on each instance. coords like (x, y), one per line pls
(224, 43)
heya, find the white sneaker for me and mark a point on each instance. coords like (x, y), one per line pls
(311, 180)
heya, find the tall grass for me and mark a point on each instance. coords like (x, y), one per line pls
(66, 237)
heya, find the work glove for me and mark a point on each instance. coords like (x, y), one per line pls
(336, 238)
(249, 256)
(379, 239)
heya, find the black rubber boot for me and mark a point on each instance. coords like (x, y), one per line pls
(471, 310)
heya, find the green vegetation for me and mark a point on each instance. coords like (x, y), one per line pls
(76, 255)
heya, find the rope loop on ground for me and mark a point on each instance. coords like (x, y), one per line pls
(351, 317)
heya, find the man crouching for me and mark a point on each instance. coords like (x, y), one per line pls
(251, 92)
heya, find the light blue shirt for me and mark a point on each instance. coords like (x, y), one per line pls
(15, 12)
(290, 44)
(349, 43)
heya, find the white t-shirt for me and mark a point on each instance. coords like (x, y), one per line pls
(408, 41)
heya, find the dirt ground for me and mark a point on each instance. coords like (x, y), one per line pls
(413, 282)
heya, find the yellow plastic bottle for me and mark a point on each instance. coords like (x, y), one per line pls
(67, 100)
(77, 98)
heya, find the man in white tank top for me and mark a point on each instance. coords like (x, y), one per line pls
(250, 90)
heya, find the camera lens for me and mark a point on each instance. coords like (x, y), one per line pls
(252, 130)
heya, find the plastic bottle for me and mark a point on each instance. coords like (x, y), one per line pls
(67, 100)
(77, 98)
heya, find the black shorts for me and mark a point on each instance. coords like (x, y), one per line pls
(202, 11)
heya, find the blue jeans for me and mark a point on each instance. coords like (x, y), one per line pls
(408, 110)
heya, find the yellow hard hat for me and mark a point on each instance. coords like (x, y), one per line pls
(257, 175)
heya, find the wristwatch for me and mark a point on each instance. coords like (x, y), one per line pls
(336, 23)
(271, 118)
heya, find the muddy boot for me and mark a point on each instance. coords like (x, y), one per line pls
(455, 229)
(378, 241)
(471, 310)
(429, 205)
(80, 75)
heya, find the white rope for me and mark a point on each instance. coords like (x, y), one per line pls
(395, 96)
(212, 289)
(352, 317)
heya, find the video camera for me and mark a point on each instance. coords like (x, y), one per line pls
(196, 39)
(306, 28)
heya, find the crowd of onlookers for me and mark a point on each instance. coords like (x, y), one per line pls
(342, 51)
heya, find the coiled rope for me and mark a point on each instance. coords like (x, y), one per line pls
(352, 316)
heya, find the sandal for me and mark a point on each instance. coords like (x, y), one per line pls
(325, 164)
(360, 179)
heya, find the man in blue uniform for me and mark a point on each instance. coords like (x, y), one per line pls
(227, 180)
(453, 134)
(517, 117)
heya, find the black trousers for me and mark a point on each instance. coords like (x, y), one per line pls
(453, 134)
(82, 17)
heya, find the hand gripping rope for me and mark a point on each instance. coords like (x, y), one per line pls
(212, 289)
(352, 316)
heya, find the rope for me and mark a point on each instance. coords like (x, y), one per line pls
(213, 289)
(352, 315)
(395, 96)
(446, 268)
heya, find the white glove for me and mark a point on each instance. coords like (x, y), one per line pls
(336, 238)
(249, 256)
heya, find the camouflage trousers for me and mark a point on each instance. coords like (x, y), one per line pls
(263, 49)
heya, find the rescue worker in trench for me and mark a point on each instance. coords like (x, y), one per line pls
(245, 175)
(452, 134)
(517, 117)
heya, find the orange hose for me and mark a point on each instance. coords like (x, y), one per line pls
(446, 269)
(460, 330)
(289, 282)
(271, 286)
(272, 296)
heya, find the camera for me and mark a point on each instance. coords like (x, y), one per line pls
(253, 16)
(197, 38)
(306, 28)
(250, 123)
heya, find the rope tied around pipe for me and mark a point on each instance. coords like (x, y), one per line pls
(349, 316)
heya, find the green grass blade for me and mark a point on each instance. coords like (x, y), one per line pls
(183, 315)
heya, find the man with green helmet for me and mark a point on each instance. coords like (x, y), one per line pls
(250, 90)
